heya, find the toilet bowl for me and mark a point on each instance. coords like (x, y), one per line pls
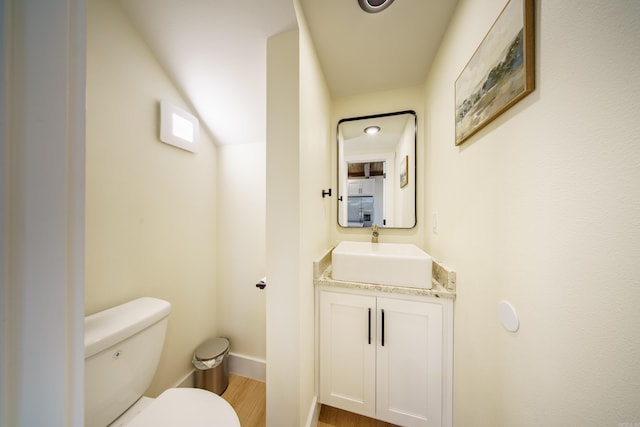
(186, 407)
(122, 350)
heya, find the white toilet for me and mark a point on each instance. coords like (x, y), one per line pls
(122, 347)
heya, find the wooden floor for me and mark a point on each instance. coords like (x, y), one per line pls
(248, 398)
(332, 417)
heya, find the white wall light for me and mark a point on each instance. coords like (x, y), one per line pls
(178, 127)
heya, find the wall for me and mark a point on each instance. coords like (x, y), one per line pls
(316, 213)
(411, 98)
(42, 229)
(542, 208)
(298, 220)
(283, 230)
(150, 207)
(405, 211)
(241, 258)
(5, 36)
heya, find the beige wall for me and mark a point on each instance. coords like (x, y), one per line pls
(150, 207)
(404, 200)
(316, 213)
(542, 208)
(298, 220)
(42, 91)
(241, 258)
(283, 230)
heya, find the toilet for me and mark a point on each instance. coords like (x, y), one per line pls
(122, 350)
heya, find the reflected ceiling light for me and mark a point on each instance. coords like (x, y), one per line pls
(374, 6)
(372, 130)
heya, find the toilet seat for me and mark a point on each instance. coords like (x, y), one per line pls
(187, 407)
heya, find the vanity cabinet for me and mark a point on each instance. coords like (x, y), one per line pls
(387, 358)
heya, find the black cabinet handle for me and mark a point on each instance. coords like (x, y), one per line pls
(369, 326)
(382, 311)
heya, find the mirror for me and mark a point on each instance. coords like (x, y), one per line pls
(377, 170)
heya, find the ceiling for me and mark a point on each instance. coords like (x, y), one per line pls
(215, 50)
(386, 140)
(370, 52)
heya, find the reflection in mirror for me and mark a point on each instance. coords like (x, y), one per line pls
(376, 170)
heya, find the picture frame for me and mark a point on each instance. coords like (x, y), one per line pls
(404, 171)
(500, 73)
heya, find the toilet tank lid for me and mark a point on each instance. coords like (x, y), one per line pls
(110, 326)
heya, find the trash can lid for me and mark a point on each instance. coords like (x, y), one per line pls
(211, 348)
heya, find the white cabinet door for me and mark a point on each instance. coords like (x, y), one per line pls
(355, 189)
(368, 187)
(409, 362)
(362, 187)
(347, 352)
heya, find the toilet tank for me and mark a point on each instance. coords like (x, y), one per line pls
(122, 347)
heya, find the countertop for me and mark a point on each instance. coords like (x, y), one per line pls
(443, 281)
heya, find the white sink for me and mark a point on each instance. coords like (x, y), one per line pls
(399, 264)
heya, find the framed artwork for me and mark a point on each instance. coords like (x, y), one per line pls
(404, 174)
(500, 73)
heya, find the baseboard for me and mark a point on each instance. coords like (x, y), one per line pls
(247, 366)
(314, 413)
(186, 381)
(244, 366)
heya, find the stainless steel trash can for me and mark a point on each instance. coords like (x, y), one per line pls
(210, 361)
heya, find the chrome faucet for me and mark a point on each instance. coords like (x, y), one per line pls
(374, 235)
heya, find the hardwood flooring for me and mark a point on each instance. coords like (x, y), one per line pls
(332, 417)
(248, 398)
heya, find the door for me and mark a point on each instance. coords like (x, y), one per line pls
(409, 362)
(347, 352)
